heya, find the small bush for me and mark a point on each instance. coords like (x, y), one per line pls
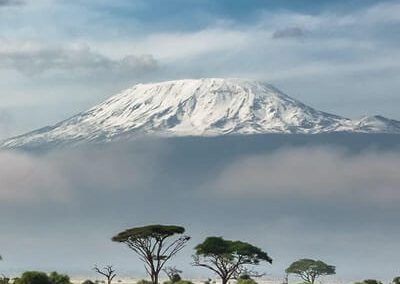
(396, 280)
(56, 278)
(144, 281)
(246, 281)
(178, 282)
(369, 281)
(88, 282)
(183, 282)
(33, 277)
(176, 278)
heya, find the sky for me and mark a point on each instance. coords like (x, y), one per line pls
(60, 57)
(58, 210)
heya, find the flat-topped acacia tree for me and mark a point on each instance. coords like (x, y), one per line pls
(309, 269)
(228, 259)
(155, 245)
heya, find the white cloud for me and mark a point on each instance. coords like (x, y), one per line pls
(32, 59)
(313, 174)
(66, 176)
(338, 43)
(28, 179)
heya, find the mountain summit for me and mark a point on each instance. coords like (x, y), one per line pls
(203, 107)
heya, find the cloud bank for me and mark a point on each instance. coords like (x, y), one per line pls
(314, 174)
(296, 202)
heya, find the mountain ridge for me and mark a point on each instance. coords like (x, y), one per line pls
(197, 107)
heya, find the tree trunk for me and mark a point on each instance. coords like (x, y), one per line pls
(224, 281)
(155, 278)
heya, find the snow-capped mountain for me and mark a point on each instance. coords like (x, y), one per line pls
(203, 107)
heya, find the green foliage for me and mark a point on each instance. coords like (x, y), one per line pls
(246, 281)
(153, 245)
(56, 278)
(396, 280)
(217, 246)
(37, 277)
(309, 269)
(173, 274)
(4, 280)
(370, 281)
(176, 278)
(179, 282)
(144, 281)
(33, 277)
(87, 282)
(151, 231)
(226, 258)
(184, 282)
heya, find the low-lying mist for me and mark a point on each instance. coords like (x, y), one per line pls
(328, 200)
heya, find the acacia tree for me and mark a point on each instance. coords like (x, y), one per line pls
(154, 245)
(228, 259)
(309, 270)
(108, 272)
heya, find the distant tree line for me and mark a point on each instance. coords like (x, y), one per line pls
(155, 245)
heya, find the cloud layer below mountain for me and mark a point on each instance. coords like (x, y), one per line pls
(318, 202)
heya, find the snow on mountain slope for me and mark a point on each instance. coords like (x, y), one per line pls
(376, 124)
(204, 107)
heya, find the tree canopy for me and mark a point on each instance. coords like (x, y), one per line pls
(309, 269)
(33, 277)
(38, 277)
(228, 259)
(217, 246)
(154, 245)
(152, 231)
(57, 278)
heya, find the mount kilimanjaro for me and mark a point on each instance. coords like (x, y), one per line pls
(203, 107)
